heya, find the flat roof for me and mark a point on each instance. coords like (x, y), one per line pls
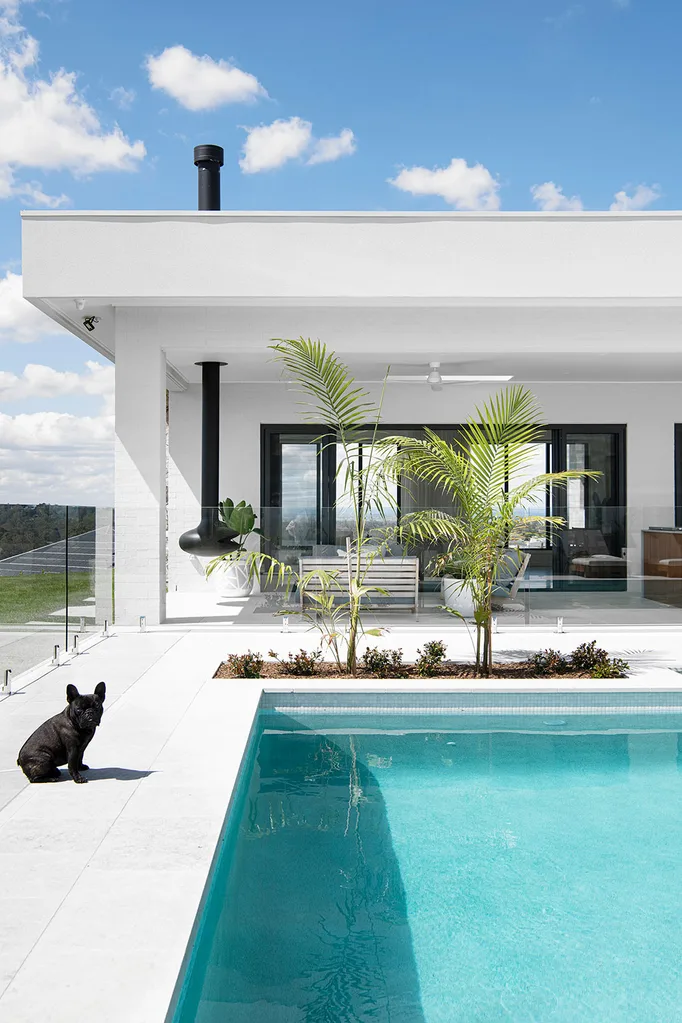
(361, 214)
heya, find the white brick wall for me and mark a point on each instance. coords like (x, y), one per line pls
(185, 571)
(140, 575)
(104, 539)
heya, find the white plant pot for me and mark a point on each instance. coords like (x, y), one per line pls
(232, 580)
(457, 595)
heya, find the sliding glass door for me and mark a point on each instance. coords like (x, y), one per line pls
(589, 551)
(307, 507)
(297, 491)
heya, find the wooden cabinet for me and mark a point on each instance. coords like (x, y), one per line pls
(662, 565)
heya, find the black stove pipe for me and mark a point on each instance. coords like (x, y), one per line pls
(208, 160)
(211, 537)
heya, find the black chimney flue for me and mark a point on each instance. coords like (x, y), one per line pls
(211, 537)
(208, 161)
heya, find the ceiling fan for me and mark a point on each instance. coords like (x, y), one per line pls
(435, 379)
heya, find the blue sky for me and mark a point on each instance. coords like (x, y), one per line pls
(580, 100)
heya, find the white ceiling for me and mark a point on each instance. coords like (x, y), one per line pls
(581, 343)
(532, 344)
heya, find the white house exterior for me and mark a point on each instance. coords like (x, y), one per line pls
(585, 308)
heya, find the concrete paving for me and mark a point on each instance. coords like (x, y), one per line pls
(100, 883)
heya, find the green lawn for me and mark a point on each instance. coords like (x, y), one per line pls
(25, 598)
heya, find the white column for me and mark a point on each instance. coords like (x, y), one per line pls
(104, 547)
(140, 514)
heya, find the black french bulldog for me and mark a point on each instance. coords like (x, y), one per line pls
(63, 739)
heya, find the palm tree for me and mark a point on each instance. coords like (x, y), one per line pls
(332, 400)
(476, 477)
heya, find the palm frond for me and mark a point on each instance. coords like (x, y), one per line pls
(332, 397)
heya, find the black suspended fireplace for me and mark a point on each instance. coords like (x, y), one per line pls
(211, 537)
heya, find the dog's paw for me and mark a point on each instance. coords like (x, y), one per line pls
(80, 781)
(84, 767)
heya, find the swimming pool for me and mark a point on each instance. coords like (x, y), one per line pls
(498, 858)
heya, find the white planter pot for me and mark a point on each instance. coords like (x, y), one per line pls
(457, 595)
(232, 580)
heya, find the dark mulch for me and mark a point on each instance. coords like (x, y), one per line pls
(451, 669)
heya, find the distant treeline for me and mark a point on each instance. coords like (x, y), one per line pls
(23, 527)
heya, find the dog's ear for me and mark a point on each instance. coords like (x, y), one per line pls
(71, 693)
(101, 691)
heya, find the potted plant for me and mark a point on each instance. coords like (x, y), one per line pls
(233, 578)
(456, 589)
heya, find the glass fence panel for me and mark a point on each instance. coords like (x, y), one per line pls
(596, 581)
(56, 580)
(622, 566)
(32, 584)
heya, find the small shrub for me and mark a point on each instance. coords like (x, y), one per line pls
(384, 663)
(303, 663)
(589, 656)
(248, 665)
(549, 662)
(430, 658)
(613, 667)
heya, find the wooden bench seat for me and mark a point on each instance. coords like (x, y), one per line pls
(399, 577)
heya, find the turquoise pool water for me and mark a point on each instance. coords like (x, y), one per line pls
(508, 870)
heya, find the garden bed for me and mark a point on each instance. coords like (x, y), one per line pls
(586, 661)
(327, 670)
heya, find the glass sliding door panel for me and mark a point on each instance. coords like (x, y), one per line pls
(300, 493)
(383, 511)
(348, 464)
(355, 465)
(539, 501)
(594, 537)
(293, 516)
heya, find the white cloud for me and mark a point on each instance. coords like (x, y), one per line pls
(326, 150)
(30, 191)
(268, 146)
(39, 430)
(57, 458)
(271, 145)
(201, 83)
(642, 196)
(123, 98)
(38, 381)
(464, 187)
(550, 197)
(54, 477)
(46, 123)
(19, 320)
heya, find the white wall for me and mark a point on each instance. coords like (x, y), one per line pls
(140, 471)
(648, 410)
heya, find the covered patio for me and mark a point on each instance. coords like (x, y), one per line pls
(583, 308)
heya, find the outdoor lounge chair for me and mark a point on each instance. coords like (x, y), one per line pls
(505, 590)
(589, 557)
